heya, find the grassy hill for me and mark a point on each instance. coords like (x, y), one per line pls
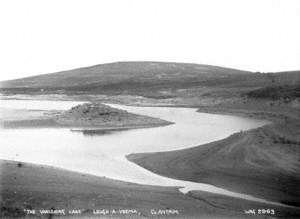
(148, 79)
(114, 73)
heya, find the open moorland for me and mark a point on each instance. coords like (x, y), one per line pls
(264, 162)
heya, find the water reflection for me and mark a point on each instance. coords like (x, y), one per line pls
(99, 132)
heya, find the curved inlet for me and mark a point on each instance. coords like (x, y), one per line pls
(104, 155)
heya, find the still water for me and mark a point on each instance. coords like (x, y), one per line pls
(104, 154)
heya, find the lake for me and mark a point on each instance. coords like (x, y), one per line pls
(104, 154)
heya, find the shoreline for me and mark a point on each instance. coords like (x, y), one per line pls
(49, 123)
(221, 178)
(45, 187)
(277, 185)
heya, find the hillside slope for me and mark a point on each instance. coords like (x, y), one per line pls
(150, 79)
(112, 73)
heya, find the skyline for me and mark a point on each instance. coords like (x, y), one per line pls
(295, 70)
(45, 37)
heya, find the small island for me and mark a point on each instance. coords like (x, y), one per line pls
(88, 116)
(97, 115)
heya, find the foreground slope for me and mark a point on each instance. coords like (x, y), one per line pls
(29, 186)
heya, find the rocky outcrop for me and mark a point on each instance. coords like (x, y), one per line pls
(100, 115)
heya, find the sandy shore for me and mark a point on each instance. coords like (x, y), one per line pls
(237, 163)
(263, 162)
(36, 187)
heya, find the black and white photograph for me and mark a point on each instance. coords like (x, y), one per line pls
(150, 109)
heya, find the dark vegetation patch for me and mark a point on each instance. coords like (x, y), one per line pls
(8, 212)
(284, 140)
(276, 92)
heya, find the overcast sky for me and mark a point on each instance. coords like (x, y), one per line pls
(46, 36)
